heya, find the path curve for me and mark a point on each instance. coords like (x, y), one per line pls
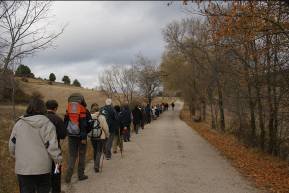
(166, 157)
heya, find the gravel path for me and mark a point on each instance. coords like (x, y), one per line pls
(166, 157)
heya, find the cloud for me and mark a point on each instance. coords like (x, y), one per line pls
(103, 33)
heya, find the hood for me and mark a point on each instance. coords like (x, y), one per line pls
(94, 115)
(35, 121)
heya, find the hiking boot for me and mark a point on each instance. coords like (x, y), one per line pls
(108, 158)
(96, 170)
(84, 177)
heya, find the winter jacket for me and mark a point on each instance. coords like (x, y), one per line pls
(111, 118)
(59, 125)
(34, 145)
(125, 117)
(137, 115)
(102, 124)
(119, 124)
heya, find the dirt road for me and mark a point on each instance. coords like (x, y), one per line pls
(166, 157)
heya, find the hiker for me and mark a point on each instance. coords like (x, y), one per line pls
(148, 112)
(125, 118)
(173, 105)
(110, 115)
(78, 123)
(157, 112)
(137, 116)
(98, 135)
(51, 106)
(118, 138)
(33, 143)
(143, 119)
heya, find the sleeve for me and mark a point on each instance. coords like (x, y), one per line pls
(12, 142)
(103, 124)
(60, 129)
(48, 134)
(89, 121)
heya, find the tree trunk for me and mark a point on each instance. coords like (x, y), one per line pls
(204, 110)
(221, 107)
(261, 120)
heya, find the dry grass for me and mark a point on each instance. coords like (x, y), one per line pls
(267, 172)
(61, 92)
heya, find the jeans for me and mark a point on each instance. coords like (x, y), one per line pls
(34, 183)
(55, 180)
(108, 145)
(76, 149)
(98, 148)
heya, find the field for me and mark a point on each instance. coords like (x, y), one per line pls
(57, 91)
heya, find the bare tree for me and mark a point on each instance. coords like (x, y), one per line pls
(24, 29)
(149, 80)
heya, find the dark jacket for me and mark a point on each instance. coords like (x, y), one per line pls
(148, 111)
(137, 115)
(111, 117)
(59, 125)
(119, 125)
(125, 117)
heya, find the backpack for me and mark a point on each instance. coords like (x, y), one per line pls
(107, 114)
(96, 131)
(76, 114)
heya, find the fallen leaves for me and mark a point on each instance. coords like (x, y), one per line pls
(267, 172)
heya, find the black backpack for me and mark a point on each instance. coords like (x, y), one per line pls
(96, 130)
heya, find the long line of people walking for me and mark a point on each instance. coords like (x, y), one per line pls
(35, 138)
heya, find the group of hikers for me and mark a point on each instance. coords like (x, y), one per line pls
(35, 138)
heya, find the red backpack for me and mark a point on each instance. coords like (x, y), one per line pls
(76, 114)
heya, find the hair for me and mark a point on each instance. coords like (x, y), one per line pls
(51, 104)
(108, 101)
(94, 108)
(117, 108)
(36, 106)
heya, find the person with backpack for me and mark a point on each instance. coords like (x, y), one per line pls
(137, 117)
(173, 105)
(118, 138)
(33, 144)
(78, 123)
(110, 115)
(51, 106)
(98, 135)
(125, 118)
(143, 117)
(148, 113)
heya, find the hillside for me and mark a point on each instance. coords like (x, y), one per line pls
(61, 92)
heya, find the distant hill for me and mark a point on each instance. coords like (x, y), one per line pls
(61, 92)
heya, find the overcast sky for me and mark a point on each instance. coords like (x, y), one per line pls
(100, 34)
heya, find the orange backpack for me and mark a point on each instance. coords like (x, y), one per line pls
(76, 114)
